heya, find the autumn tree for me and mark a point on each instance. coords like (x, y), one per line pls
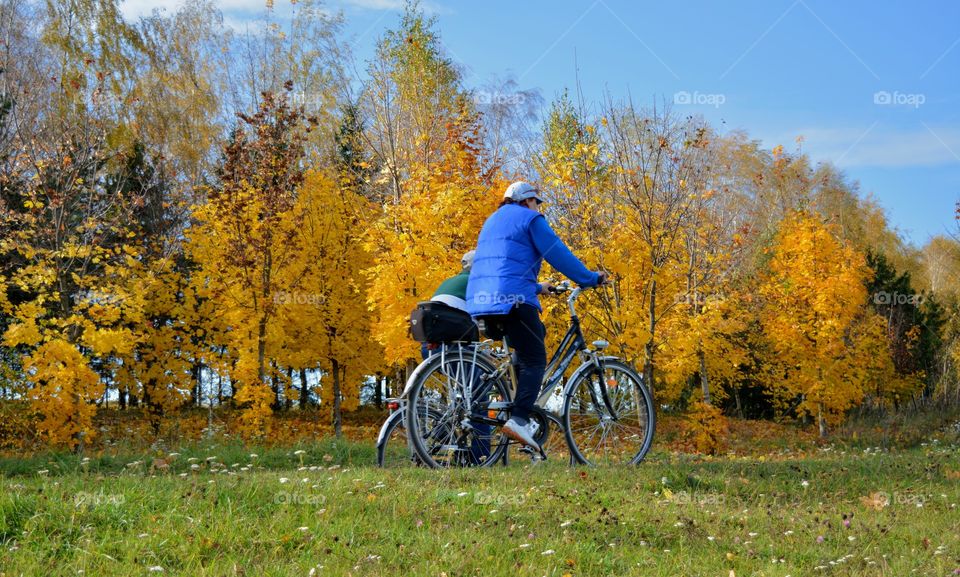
(243, 242)
(659, 163)
(412, 93)
(327, 319)
(420, 238)
(830, 346)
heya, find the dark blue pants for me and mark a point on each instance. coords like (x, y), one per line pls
(525, 333)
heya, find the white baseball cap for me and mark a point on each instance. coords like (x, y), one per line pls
(467, 261)
(520, 191)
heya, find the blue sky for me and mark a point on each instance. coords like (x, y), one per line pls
(871, 86)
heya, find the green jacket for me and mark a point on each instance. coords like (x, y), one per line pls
(453, 291)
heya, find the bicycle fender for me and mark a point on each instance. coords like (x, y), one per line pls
(382, 435)
(568, 388)
(413, 378)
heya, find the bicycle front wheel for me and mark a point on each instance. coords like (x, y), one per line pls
(609, 416)
(445, 429)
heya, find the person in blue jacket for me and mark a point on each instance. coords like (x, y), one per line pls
(503, 289)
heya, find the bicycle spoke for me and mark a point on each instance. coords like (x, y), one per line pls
(455, 389)
(600, 437)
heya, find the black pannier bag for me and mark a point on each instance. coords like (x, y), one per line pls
(435, 322)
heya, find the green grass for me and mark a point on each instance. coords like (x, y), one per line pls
(328, 510)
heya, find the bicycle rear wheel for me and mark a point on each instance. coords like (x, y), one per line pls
(599, 436)
(393, 447)
(443, 431)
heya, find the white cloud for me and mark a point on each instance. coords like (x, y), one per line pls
(134, 9)
(878, 146)
(380, 5)
(376, 4)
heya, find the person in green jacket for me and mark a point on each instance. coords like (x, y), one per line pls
(453, 291)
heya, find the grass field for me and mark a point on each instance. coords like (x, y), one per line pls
(322, 509)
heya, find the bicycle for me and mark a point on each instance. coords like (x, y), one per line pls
(601, 397)
(393, 446)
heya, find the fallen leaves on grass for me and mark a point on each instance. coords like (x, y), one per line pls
(875, 500)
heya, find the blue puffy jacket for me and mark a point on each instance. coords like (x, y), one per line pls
(512, 245)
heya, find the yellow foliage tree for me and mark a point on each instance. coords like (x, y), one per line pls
(327, 319)
(814, 313)
(419, 238)
(244, 244)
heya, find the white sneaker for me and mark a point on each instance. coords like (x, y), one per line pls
(522, 434)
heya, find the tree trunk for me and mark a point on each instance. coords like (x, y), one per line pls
(275, 387)
(304, 390)
(288, 389)
(704, 381)
(648, 363)
(821, 422)
(262, 349)
(378, 391)
(337, 417)
(195, 392)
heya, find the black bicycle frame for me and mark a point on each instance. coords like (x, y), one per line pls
(571, 344)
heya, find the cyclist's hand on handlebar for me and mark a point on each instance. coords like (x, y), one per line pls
(604, 278)
(547, 287)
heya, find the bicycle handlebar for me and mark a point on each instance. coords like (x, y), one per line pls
(566, 286)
